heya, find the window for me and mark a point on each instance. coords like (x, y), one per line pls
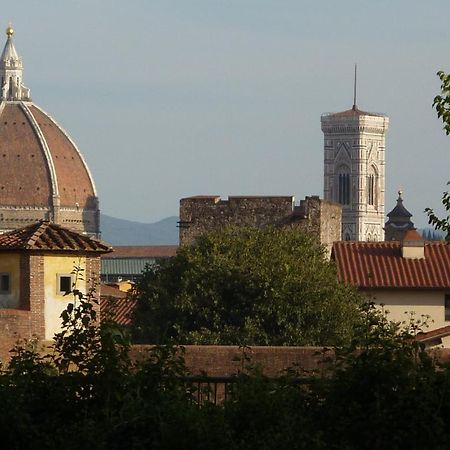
(5, 283)
(343, 185)
(371, 189)
(344, 189)
(64, 283)
(447, 307)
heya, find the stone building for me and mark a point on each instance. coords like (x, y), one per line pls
(354, 147)
(43, 175)
(203, 214)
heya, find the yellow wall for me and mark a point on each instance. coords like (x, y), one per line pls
(10, 263)
(421, 302)
(54, 302)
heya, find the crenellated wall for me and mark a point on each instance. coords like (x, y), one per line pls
(203, 214)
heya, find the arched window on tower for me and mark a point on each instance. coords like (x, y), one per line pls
(371, 187)
(343, 190)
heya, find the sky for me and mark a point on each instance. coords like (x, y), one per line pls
(172, 98)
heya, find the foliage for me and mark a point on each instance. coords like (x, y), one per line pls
(442, 105)
(248, 287)
(382, 390)
(442, 101)
(444, 223)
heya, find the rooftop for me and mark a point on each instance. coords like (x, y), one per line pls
(46, 236)
(353, 112)
(381, 265)
(142, 251)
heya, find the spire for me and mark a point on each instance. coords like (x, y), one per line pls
(399, 221)
(11, 71)
(354, 92)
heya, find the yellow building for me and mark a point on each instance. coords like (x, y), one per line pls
(36, 271)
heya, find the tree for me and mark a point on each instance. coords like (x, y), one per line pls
(442, 101)
(442, 105)
(246, 286)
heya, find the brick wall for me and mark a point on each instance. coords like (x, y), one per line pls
(225, 360)
(36, 291)
(93, 279)
(14, 324)
(214, 360)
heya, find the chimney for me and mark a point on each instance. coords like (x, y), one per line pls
(413, 245)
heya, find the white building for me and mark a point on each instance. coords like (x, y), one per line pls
(354, 144)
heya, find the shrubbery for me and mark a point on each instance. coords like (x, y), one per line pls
(246, 286)
(381, 391)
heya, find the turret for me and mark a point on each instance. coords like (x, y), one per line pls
(11, 72)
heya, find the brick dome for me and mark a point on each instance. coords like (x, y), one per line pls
(43, 176)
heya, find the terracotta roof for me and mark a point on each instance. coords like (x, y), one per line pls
(107, 290)
(434, 334)
(354, 112)
(21, 155)
(75, 185)
(49, 236)
(412, 235)
(117, 309)
(381, 265)
(142, 251)
(32, 147)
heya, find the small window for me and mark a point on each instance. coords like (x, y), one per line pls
(447, 307)
(64, 283)
(371, 189)
(4, 283)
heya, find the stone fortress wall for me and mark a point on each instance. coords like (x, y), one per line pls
(203, 214)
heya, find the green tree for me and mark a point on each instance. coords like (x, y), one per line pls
(248, 287)
(442, 105)
(442, 101)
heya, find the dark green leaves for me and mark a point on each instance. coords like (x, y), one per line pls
(248, 287)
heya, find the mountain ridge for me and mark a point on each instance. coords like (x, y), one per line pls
(127, 232)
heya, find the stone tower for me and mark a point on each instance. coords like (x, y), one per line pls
(354, 144)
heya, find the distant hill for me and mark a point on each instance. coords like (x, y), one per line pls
(125, 232)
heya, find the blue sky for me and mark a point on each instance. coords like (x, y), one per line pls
(168, 99)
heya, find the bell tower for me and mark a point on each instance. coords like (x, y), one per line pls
(354, 146)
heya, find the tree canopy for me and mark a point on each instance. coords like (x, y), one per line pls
(246, 286)
(442, 105)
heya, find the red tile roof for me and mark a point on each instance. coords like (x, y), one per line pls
(381, 265)
(143, 251)
(116, 309)
(434, 334)
(412, 235)
(107, 290)
(49, 236)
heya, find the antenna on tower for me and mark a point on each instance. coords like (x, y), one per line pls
(354, 90)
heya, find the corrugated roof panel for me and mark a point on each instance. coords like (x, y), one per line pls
(129, 266)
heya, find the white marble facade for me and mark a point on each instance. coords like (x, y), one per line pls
(354, 163)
